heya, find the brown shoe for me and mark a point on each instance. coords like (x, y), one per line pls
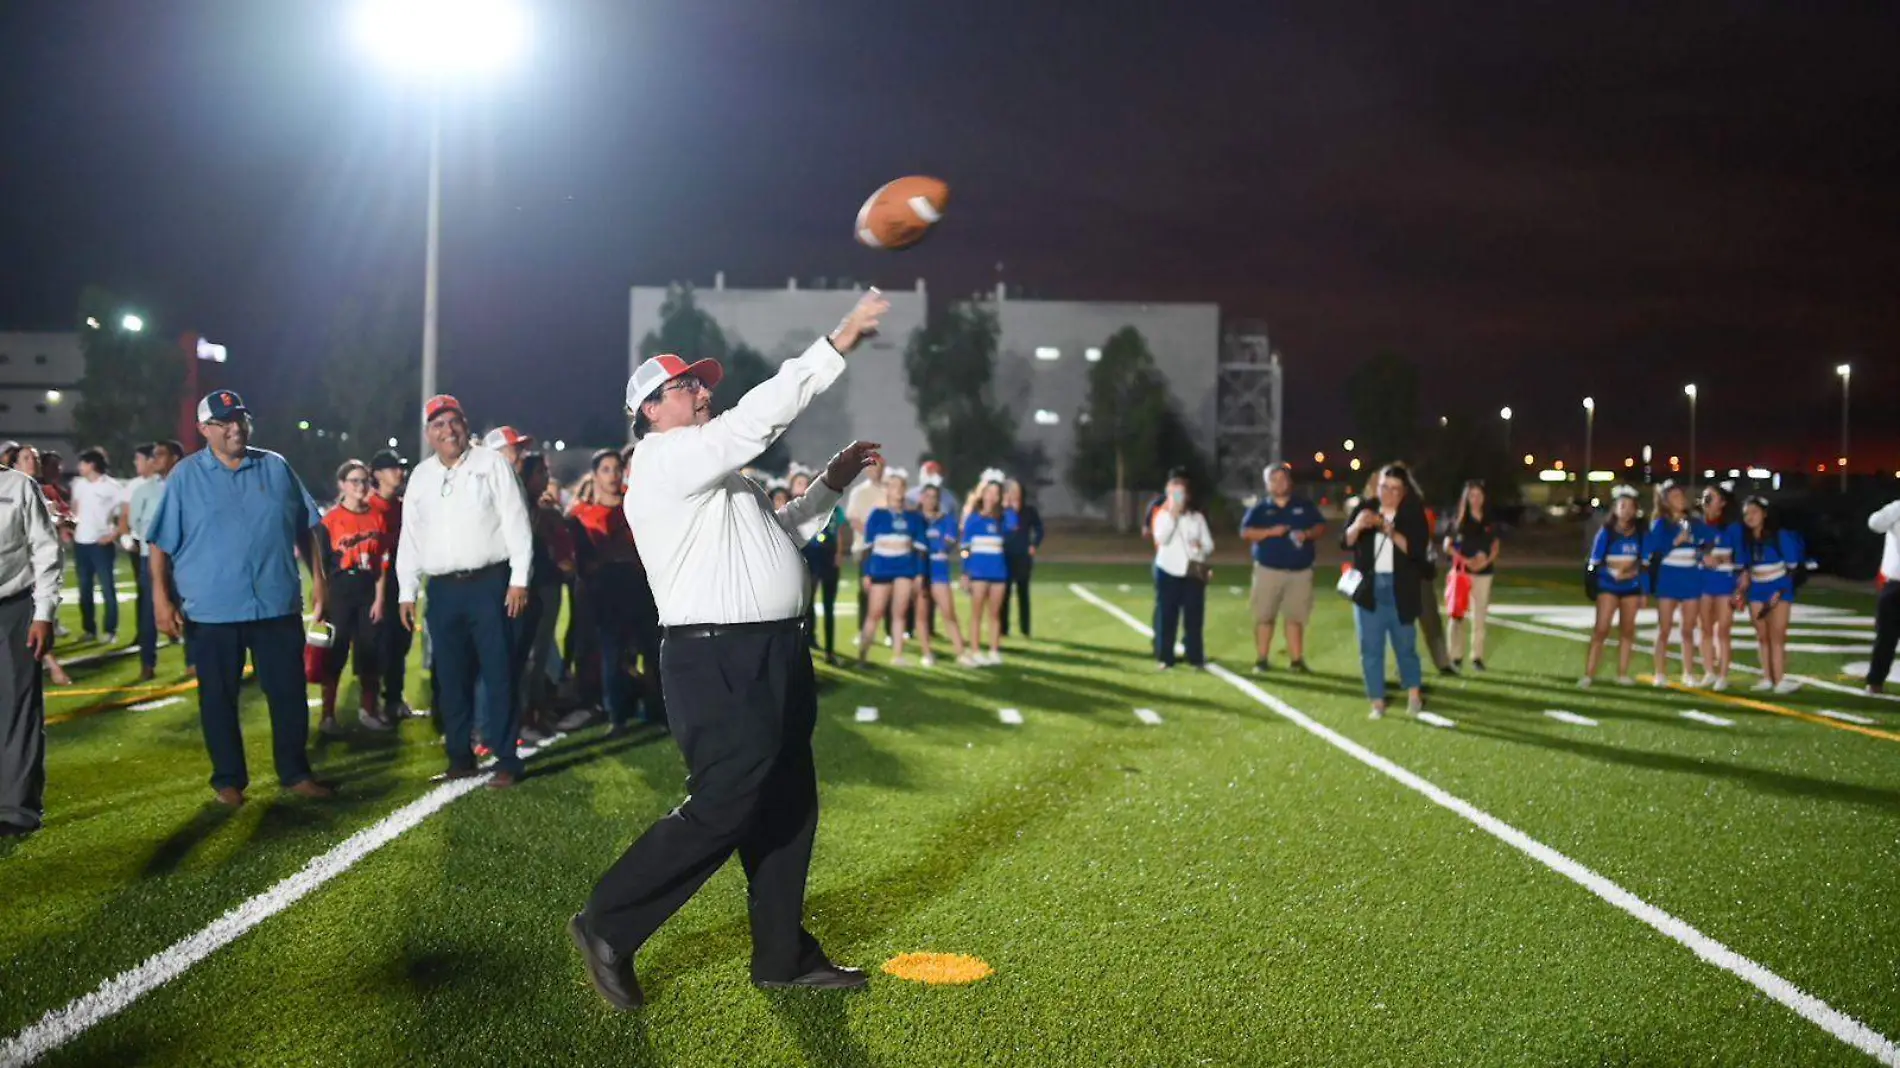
(502, 780)
(312, 789)
(147, 674)
(231, 796)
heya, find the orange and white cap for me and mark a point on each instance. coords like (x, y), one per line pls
(662, 369)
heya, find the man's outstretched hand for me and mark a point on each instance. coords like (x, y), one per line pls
(860, 322)
(850, 462)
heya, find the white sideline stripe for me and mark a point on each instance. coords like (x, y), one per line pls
(1704, 717)
(1847, 717)
(1561, 716)
(1148, 716)
(1010, 716)
(1435, 720)
(113, 996)
(1674, 654)
(1807, 1006)
(163, 702)
(867, 714)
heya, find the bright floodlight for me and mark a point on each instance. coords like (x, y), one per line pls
(1589, 404)
(441, 38)
(1348, 444)
(132, 323)
(1689, 390)
(1844, 370)
(1504, 413)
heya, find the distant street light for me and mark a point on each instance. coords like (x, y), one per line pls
(1348, 444)
(1690, 392)
(132, 323)
(1504, 413)
(439, 41)
(1846, 372)
(1589, 428)
(92, 322)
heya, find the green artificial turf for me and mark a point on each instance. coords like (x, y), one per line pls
(1223, 888)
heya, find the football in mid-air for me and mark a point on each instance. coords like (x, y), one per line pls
(902, 212)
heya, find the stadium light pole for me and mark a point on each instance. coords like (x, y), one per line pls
(1589, 432)
(1504, 413)
(437, 41)
(1846, 371)
(1690, 392)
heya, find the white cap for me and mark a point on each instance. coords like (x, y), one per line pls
(663, 368)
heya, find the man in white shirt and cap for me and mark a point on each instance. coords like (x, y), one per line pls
(1886, 523)
(465, 528)
(29, 595)
(729, 579)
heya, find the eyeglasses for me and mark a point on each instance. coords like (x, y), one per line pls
(356, 481)
(688, 384)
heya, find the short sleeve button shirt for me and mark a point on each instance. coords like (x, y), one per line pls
(1298, 515)
(232, 535)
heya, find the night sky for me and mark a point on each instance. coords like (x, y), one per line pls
(1533, 201)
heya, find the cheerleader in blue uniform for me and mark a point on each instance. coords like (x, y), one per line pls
(940, 537)
(893, 536)
(1718, 535)
(1769, 557)
(1616, 559)
(985, 566)
(1675, 579)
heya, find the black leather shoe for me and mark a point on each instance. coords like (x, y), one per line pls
(15, 830)
(611, 974)
(826, 977)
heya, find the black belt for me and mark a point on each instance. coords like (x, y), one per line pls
(469, 576)
(714, 630)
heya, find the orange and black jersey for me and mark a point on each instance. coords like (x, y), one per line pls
(359, 541)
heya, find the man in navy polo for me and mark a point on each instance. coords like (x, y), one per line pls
(1282, 529)
(226, 535)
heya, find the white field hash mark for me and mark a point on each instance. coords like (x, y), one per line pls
(1010, 716)
(1561, 716)
(1148, 716)
(113, 996)
(1435, 720)
(1704, 717)
(1807, 1006)
(867, 714)
(1847, 717)
(163, 702)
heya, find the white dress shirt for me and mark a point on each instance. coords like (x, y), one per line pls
(29, 544)
(463, 518)
(715, 550)
(93, 503)
(1179, 540)
(1887, 521)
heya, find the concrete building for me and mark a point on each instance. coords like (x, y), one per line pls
(1044, 351)
(39, 373)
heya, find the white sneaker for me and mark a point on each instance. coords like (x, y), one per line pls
(1719, 684)
(575, 720)
(112, 637)
(1625, 680)
(927, 660)
(1661, 682)
(1690, 682)
(996, 659)
(1709, 680)
(1788, 685)
(1585, 682)
(1762, 686)
(372, 722)
(531, 736)
(1378, 712)
(968, 661)
(897, 660)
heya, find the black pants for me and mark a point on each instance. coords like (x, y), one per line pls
(351, 595)
(473, 638)
(825, 583)
(1886, 633)
(1017, 589)
(1179, 602)
(396, 640)
(276, 651)
(22, 718)
(743, 705)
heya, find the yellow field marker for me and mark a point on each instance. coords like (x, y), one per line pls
(134, 696)
(1782, 710)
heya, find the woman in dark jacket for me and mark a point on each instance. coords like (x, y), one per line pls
(1022, 534)
(1388, 540)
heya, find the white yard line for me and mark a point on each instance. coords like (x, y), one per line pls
(1813, 1009)
(1148, 716)
(1847, 717)
(163, 702)
(867, 714)
(1553, 632)
(1010, 716)
(1561, 716)
(1433, 719)
(1704, 717)
(62, 1025)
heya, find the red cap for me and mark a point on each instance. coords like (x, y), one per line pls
(440, 403)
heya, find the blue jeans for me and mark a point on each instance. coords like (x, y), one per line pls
(1375, 628)
(94, 563)
(472, 637)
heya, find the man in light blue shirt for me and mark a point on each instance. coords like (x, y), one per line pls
(227, 533)
(154, 461)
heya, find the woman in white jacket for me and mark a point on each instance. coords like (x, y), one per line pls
(1183, 545)
(1886, 522)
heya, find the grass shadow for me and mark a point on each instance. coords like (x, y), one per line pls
(818, 1023)
(171, 853)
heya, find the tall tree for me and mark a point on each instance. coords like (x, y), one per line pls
(1469, 446)
(951, 366)
(1382, 394)
(691, 333)
(1129, 433)
(130, 389)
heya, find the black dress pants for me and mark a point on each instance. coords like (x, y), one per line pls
(1886, 633)
(742, 706)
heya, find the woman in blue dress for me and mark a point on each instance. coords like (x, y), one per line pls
(1675, 579)
(940, 537)
(985, 566)
(1719, 534)
(1617, 559)
(892, 535)
(1769, 557)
